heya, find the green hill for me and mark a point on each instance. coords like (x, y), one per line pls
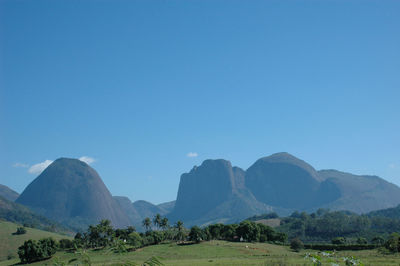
(9, 243)
(17, 213)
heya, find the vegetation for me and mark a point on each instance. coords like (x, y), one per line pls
(20, 231)
(161, 238)
(16, 213)
(33, 250)
(338, 227)
(9, 242)
(296, 244)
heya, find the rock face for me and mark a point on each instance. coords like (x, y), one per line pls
(288, 182)
(71, 192)
(218, 192)
(285, 181)
(214, 192)
(8, 193)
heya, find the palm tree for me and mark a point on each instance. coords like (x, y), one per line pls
(157, 220)
(179, 225)
(147, 223)
(164, 223)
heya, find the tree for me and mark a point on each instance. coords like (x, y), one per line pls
(393, 243)
(249, 231)
(20, 231)
(32, 250)
(135, 239)
(164, 223)
(181, 234)
(147, 223)
(66, 244)
(339, 241)
(362, 241)
(196, 234)
(157, 220)
(296, 245)
(101, 234)
(378, 240)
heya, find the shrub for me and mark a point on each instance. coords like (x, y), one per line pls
(196, 234)
(32, 250)
(296, 244)
(20, 231)
(135, 239)
(393, 243)
(66, 244)
(339, 241)
(362, 241)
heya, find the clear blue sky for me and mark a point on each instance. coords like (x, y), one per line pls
(137, 85)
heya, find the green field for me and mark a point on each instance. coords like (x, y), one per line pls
(9, 243)
(216, 253)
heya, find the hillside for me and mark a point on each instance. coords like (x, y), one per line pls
(9, 243)
(8, 193)
(71, 192)
(393, 213)
(360, 193)
(17, 213)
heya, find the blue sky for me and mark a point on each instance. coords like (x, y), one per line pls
(138, 85)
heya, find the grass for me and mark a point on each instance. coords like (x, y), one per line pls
(216, 253)
(9, 243)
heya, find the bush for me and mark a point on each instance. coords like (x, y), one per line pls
(296, 244)
(135, 239)
(362, 241)
(339, 241)
(66, 244)
(323, 247)
(196, 234)
(393, 243)
(20, 231)
(32, 250)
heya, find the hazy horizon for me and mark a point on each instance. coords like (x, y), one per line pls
(145, 90)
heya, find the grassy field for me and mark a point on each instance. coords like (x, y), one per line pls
(216, 253)
(9, 243)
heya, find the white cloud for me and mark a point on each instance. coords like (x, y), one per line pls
(392, 165)
(87, 159)
(39, 167)
(21, 165)
(192, 154)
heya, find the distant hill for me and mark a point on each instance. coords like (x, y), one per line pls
(360, 193)
(16, 213)
(9, 243)
(71, 192)
(393, 213)
(8, 193)
(141, 209)
(214, 192)
(167, 207)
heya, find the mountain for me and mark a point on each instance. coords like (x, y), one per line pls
(360, 193)
(217, 192)
(71, 192)
(284, 181)
(17, 213)
(288, 182)
(8, 193)
(141, 209)
(214, 192)
(167, 207)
